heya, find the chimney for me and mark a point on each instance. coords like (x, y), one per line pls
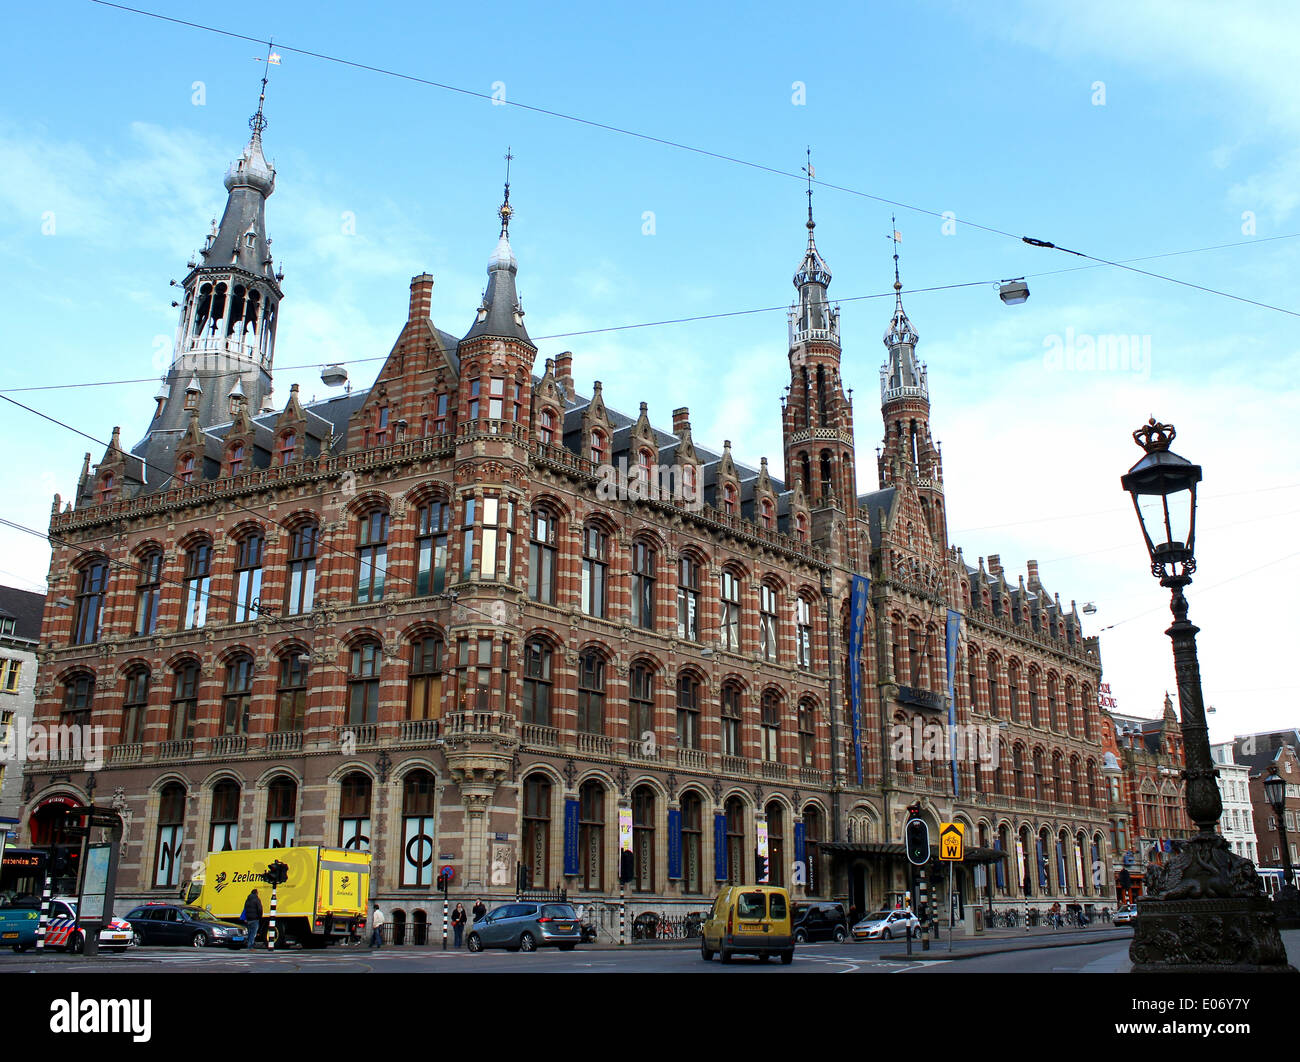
(681, 421)
(995, 564)
(564, 371)
(1033, 573)
(421, 297)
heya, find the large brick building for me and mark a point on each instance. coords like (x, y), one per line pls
(426, 618)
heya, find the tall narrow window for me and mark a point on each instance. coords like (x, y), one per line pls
(78, 693)
(807, 735)
(546, 427)
(236, 459)
(993, 686)
(474, 389)
(775, 844)
(425, 701)
(535, 859)
(1013, 691)
(474, 661)
(643, 586)
(731, 745)
(185, 469)
(433, 521)
(541, 557)
(135, 705)
(595, 564)
(767, 515)
(224, 833)
(692, 842)
(767, 629)
(372, 556)
(148, 592)
(688, 711)
(736, 861)
(89, 614)
(419, 806)
(281, 812)
(641, 707)
(803, 633)
(643, 838)
(729, 505)
(291, 693)
(171, 836)
(248, 577)
(363, 683)
(599, 447)
(537, 683)
(730, 601)
(440, 415)
(591, 693)
(238, 695)
(302, 569)
(198, 582)
(771, 726)
(106, 488)
(381, 426)
(688, 599)
(354, 812)
(286, 448)
(591, 834)
(185, 703)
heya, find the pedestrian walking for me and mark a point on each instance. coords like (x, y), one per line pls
(377, 930)
(458, 920)
(252, 917)
(480, 909)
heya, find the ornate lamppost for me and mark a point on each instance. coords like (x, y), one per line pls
(1205, 908)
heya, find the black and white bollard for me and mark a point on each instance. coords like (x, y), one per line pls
(444, 921)
(45, 912)
(622, 913)
(270, 925)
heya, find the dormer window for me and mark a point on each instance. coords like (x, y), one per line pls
(729, 500)
(288, 444)
(106, 487)
(599, 447)
(645, 462)
(546, 427)
(185, 469)
(236, 459)
(381, 426)
(767, 517)
(801, 527)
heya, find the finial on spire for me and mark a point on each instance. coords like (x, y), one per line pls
(896, 236)
(506, 209)
(258, 122)
(808, 169)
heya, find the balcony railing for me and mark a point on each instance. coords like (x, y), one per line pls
(775, 772)
(132, 753)
(229, 745)
(811, 776)
(357, 734)
(418, 730)
(547, 737)
(480, 722)
(595, 744)
(691, 757)
(284, 741)
(176, 750)
(734, 765)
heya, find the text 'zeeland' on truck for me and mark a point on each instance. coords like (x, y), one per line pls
(324, 895)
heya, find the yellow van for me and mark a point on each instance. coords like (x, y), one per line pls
(748, 920)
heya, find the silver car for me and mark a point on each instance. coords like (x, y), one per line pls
(527, 927)
(885, 925)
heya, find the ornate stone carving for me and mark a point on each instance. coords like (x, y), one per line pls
(570, 772)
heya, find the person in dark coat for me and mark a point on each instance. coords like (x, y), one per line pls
(252, 917)
(458, 920)
(479, 909)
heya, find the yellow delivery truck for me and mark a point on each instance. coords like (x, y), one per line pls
(324, 895)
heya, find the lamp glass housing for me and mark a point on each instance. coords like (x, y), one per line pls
(1163, 486)
(1275, 790)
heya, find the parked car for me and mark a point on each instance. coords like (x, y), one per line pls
(819, 921)
(748, 920)
(174, 923)
(1125, 915)
(885, 925)
(527, 927)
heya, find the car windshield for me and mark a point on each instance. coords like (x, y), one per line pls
(198, 915)
(879, 916)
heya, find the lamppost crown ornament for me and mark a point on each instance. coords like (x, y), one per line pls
(1152, 436)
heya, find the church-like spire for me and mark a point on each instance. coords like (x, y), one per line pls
(500, 314)
(812, 316)
(901, 375)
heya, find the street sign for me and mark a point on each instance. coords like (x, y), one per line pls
(447, 870)
(952, 841)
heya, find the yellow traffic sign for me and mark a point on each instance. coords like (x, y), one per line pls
(952, 841)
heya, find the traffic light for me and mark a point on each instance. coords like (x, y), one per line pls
(277, 873)
(625, 866)
(918, 842)
(60, 862)
(444, 883)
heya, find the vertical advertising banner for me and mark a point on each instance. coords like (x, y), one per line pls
(571, 837)
(1021, 866)
(625, 829)
(674, 844)
(719, 847)
(857, 625)
(760, 828)
(954, 626)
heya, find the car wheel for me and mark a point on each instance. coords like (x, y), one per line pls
(706, 953)
(200, 940)
(76, 944)
(787, 957)
(137, 940)
(800, 937)
(526, 942)
(840, 934)
(886, 935)
(475, 943)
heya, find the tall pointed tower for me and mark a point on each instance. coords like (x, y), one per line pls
(817, 420)
(225, 339)
(909, 451)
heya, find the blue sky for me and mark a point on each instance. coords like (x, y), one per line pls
(993, 115)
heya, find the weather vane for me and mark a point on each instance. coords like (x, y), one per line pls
(258, 121)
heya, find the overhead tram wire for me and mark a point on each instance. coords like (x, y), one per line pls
(678, 145)
(203, 374)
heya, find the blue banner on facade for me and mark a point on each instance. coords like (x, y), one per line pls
(719, 847)
(674, 844)
(1042, 863)
(1060, 864)
(798, 842)
(1000, 864)
(954, 626)
(571, 837)
(857, 624)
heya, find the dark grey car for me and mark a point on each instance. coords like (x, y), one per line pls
(527, 927)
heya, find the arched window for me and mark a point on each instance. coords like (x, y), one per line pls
(291, 692)
(148, 592)
(643, 585)
(771, 726)
(591, 834)
(729, 499)
(1013, 690)
(237, 695)
(688, 711)
(236, 459)
(807, 734)
(89, 614)
(1076, 790)
(286, 448)
(363, 683)
(1089, 709)
(372, 556)
(425, 700)
(248, 577)
(419, 800)
(801, 527)
(768, 637)
(171, 836)
(767, 515)
(1053, 704)
(645, 462)
(185, 469)
(643, 838)
(302, 569)
(546, 427)
(185, 702)
(78, 694)
(688, 599)
(535, 858)
(135, 706)
(198, 583)
(542, 556)
(692, 842)
(595, 565)
(432, 525)
(1058, 777)
(223, 835)
(775, 815)
(1035, 708)
(993, 686)
(1002, 844)
(281, 812)
(826, 473)
(731, 720)
(354, 812)
(1092, 784)
(1039, 781)
(734, 810)
(599, 446)
(729, 597)
(591, 692)
(1018, 770)
(537, 682)
(641, 709)
(107, 485)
